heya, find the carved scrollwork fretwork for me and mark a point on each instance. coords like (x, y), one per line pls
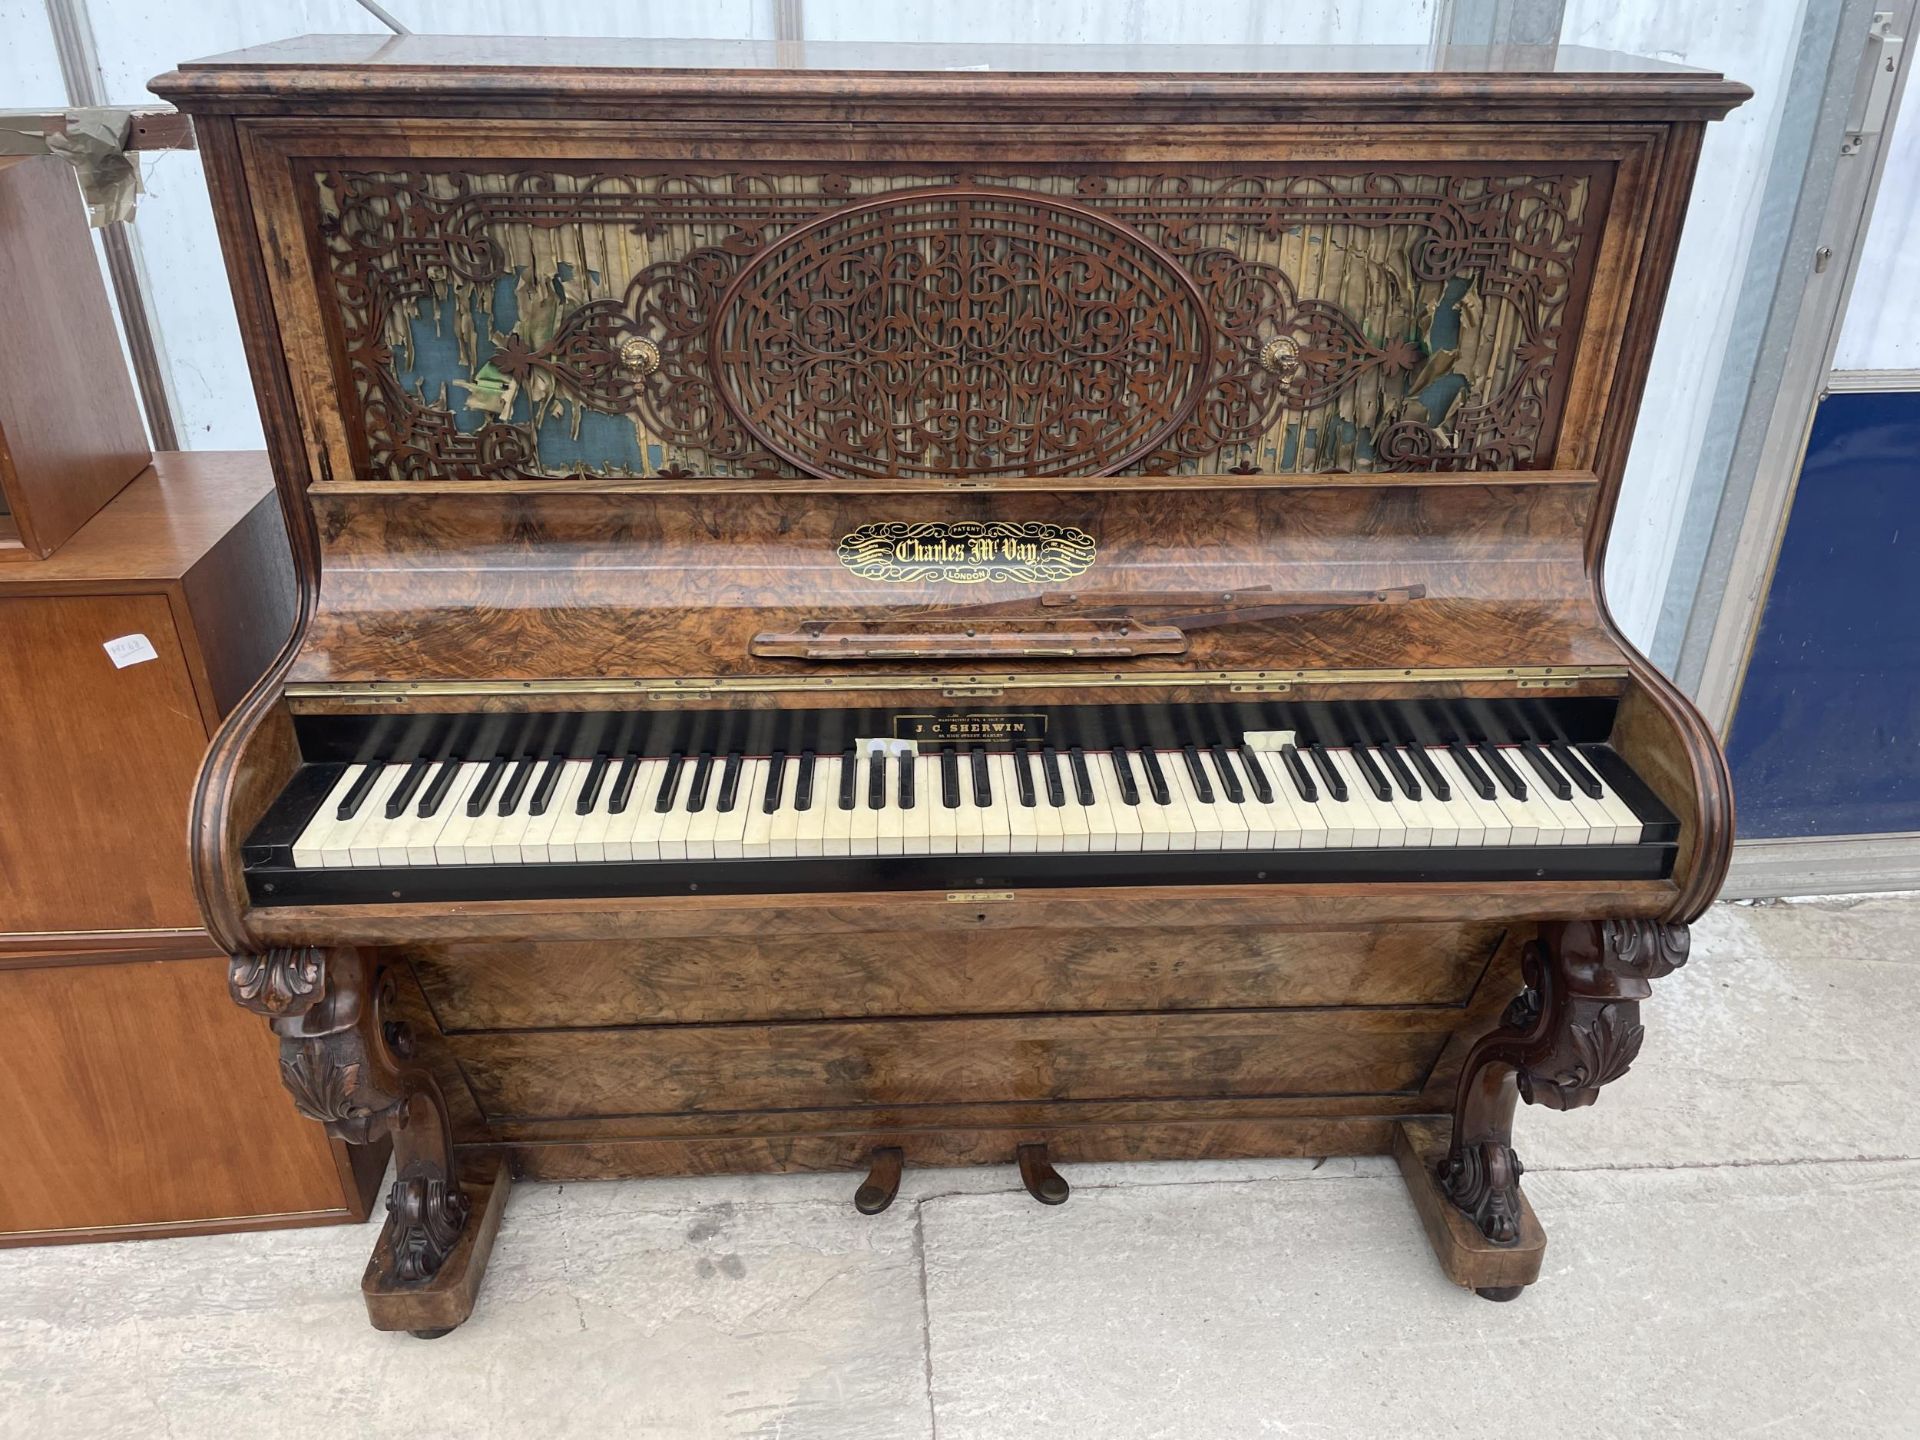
(866, 323)
(1575, 1028)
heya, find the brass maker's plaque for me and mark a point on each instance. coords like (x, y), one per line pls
(967, 551)
(974, 725)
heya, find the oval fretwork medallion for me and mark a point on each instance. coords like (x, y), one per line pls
(962, 331)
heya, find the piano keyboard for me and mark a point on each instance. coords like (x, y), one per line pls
(977, 802)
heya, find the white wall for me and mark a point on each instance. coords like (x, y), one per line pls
(1882, 326)
(1751, 41)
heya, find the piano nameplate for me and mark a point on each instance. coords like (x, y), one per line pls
(975, 726)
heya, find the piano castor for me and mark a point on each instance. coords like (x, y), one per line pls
(869, 616)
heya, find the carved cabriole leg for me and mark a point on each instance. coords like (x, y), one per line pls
(354, 1072)
(1574, 1028)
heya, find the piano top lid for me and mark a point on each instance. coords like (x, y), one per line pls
(383, 73)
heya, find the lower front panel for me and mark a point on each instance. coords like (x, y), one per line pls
(689, 1056)
(722, 1068)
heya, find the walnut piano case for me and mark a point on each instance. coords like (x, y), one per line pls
(1144, 429)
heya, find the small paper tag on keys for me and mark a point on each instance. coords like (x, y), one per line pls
(1267, 739)
(129, 650)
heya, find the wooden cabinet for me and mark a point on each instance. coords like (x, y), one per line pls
(140, 1101)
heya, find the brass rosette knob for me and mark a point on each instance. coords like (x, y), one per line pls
(639, 356)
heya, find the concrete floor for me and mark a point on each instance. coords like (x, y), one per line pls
(1734, 1249)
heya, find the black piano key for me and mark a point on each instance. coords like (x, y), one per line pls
(877, 781)
(1230, 785)
(949, 779)
(1297, 772)
(1197, 773)
(548, 783)
(907, 764)
(776, 771)
(1330, 776)
(517, 785)
(403, 792)
(1050, 772)
(803, 782)
(1082, 781)
(351, 802)
(1257, 776)
(1370, 772)
(1430, 772)
(436, 793)
(590, 789)
(669, 783)
(1123, 771)
(1397, 768)
(1157, 785)
(623, 785)
(702, 779)
(849, 778)
(1508, 777)
(982, 780)
(1023, 777)
(1577, 771)
(1556, 783)
(730, 784)
(1476, 777)
(483, 792)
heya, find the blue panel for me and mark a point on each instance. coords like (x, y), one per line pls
(1826, 739)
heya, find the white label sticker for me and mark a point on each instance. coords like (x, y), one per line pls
(130, 650)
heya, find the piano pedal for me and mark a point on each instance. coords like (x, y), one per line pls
(1043, 1182)
(876, 1192)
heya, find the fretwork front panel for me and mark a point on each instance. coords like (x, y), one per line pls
(624, 322)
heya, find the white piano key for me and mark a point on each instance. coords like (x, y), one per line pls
(422, 843)
(970, 826)
(1173, 820)
(1023, 825)
(597, 825)
(865, 827)
(1626, 820)
(1420, 820)
(1236, 826)
(1203, 823)
(783, 835)
(916, 821)
(942, 823)
(810, 826)
(1103, 826)
(1375, 825)
(1346, 822)
(1075, 833)
(540, 828)
(563, 841)
(730, 826)
(892, 824)
(756, 836)
(365, 839)
(703, 824)
(836, 830)
(1462, 822)
(1124, 819)
(317, 840)
(641, 836)
(1487, 818)
(996, 825)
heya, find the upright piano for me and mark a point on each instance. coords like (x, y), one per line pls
(873, 606)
